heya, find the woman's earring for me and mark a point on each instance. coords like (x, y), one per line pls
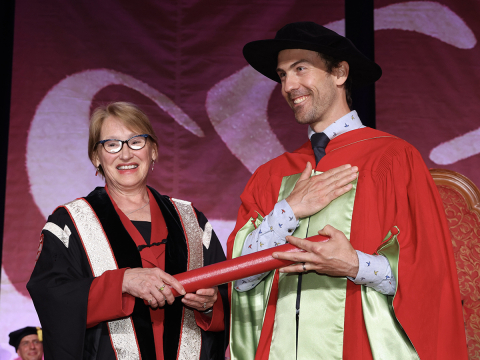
(153, 164)
(98, 169)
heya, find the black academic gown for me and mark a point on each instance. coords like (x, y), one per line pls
(61, 279)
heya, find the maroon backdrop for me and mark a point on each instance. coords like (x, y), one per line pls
(181, 62)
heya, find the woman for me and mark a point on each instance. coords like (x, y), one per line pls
(101, 284)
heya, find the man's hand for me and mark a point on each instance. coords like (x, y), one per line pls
(312, 194)
(334, 257)
(152, 285)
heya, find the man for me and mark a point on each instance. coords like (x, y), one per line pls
(27, 342)
(383, 286)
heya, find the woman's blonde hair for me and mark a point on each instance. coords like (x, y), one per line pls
(129, 114)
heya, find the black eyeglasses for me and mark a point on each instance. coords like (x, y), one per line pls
(113, 146)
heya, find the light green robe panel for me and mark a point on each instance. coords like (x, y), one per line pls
(322, 304)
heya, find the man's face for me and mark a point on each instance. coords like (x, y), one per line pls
(30, 348)
(309, 89)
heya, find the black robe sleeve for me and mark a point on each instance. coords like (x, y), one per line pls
(59, 288)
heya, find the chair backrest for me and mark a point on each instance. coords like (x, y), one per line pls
(461, 199)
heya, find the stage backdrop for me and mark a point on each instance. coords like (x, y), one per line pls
(216, 118)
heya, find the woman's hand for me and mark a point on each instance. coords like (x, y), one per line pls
(202, 300)
(151, 285)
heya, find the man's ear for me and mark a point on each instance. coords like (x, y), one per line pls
(341, 73)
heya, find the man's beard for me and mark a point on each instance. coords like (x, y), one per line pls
(306, 116)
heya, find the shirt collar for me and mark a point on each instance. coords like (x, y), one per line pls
(346, 123)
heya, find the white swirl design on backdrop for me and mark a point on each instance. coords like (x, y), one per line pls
(457, 149)
(57, 163)
(237, 107)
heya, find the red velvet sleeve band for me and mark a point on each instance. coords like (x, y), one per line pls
(215, 322)
(238, 268)
(105, 299)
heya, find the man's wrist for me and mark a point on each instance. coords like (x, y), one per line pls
(294, 208)
(353, 273)
(355, 266)
(282, 220)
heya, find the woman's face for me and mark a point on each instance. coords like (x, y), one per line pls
(126, 169)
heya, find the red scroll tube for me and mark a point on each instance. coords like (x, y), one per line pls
(238, 268)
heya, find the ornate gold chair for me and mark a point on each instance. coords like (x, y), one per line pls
(461, 199)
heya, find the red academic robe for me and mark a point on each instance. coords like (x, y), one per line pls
(394, 189)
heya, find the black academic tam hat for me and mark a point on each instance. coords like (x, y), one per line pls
(262, 54)
(17, 335)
